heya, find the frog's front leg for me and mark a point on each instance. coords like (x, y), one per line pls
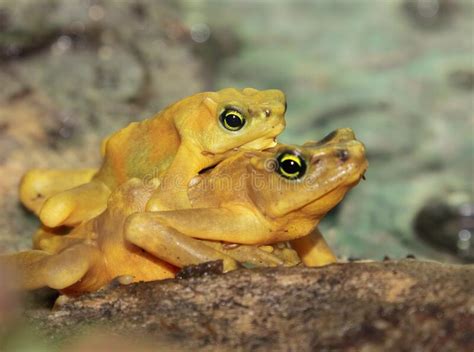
(231, 223)
(168, 234)
(313, 249)
(37, 268)
(75, 205)
(37, 185)
(172, 193)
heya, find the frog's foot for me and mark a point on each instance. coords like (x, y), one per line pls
(75, 205)
(251, 255)
(39, 184)
(38, 268)
(173, 247)
(314, 250)
(284, 252)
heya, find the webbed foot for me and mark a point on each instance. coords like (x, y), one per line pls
(38, 268)
(314, 250)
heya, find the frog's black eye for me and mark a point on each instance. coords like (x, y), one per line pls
(291, 166)
(232, 120)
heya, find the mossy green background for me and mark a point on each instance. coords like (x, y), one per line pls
(400, 73)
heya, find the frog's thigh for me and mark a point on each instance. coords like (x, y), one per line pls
(313, 249)
(38, 268)
(75, 205)
(229, 224)
(39, 184)
(173, 247)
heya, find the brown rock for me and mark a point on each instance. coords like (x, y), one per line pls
(370, 306)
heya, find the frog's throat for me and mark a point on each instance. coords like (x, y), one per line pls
(255, 145)
(337, 187)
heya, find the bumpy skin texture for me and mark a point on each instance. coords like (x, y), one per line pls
(173, 146)
(247, 199)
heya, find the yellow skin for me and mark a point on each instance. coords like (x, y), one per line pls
(252, 198)
(173, 146)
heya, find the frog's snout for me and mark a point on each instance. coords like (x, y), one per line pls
(275, 110)
(346, 157)
(270, 103)
(276, 103)
(339, 146)
(351, 151)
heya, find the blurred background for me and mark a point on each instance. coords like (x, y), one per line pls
(399, 72)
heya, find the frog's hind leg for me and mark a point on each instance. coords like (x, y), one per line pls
(175, 248)
(314, 250)
(75, 205)
(39, 184)
(175, 236)
(38, 268)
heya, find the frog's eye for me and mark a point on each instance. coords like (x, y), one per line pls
(232, 120)
(291, 166)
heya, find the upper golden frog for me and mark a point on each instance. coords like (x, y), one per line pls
(173, 146)
(252, 198)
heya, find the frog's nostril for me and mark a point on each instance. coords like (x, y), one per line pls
(342, 154)
(315, 160)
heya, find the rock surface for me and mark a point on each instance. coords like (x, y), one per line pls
(368, 306)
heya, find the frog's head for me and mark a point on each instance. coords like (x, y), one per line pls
(311, 178)
(246, 119)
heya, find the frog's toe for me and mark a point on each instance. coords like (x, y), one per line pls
(75, 205)
(56, 210)
(37, 185)
(61, 301)
(30, 194)
(122, 280)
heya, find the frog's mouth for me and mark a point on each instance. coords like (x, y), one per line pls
(255, 145)
(266, 141)
(259, 144)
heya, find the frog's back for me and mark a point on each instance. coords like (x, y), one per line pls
(142, 149)
(226, 183)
